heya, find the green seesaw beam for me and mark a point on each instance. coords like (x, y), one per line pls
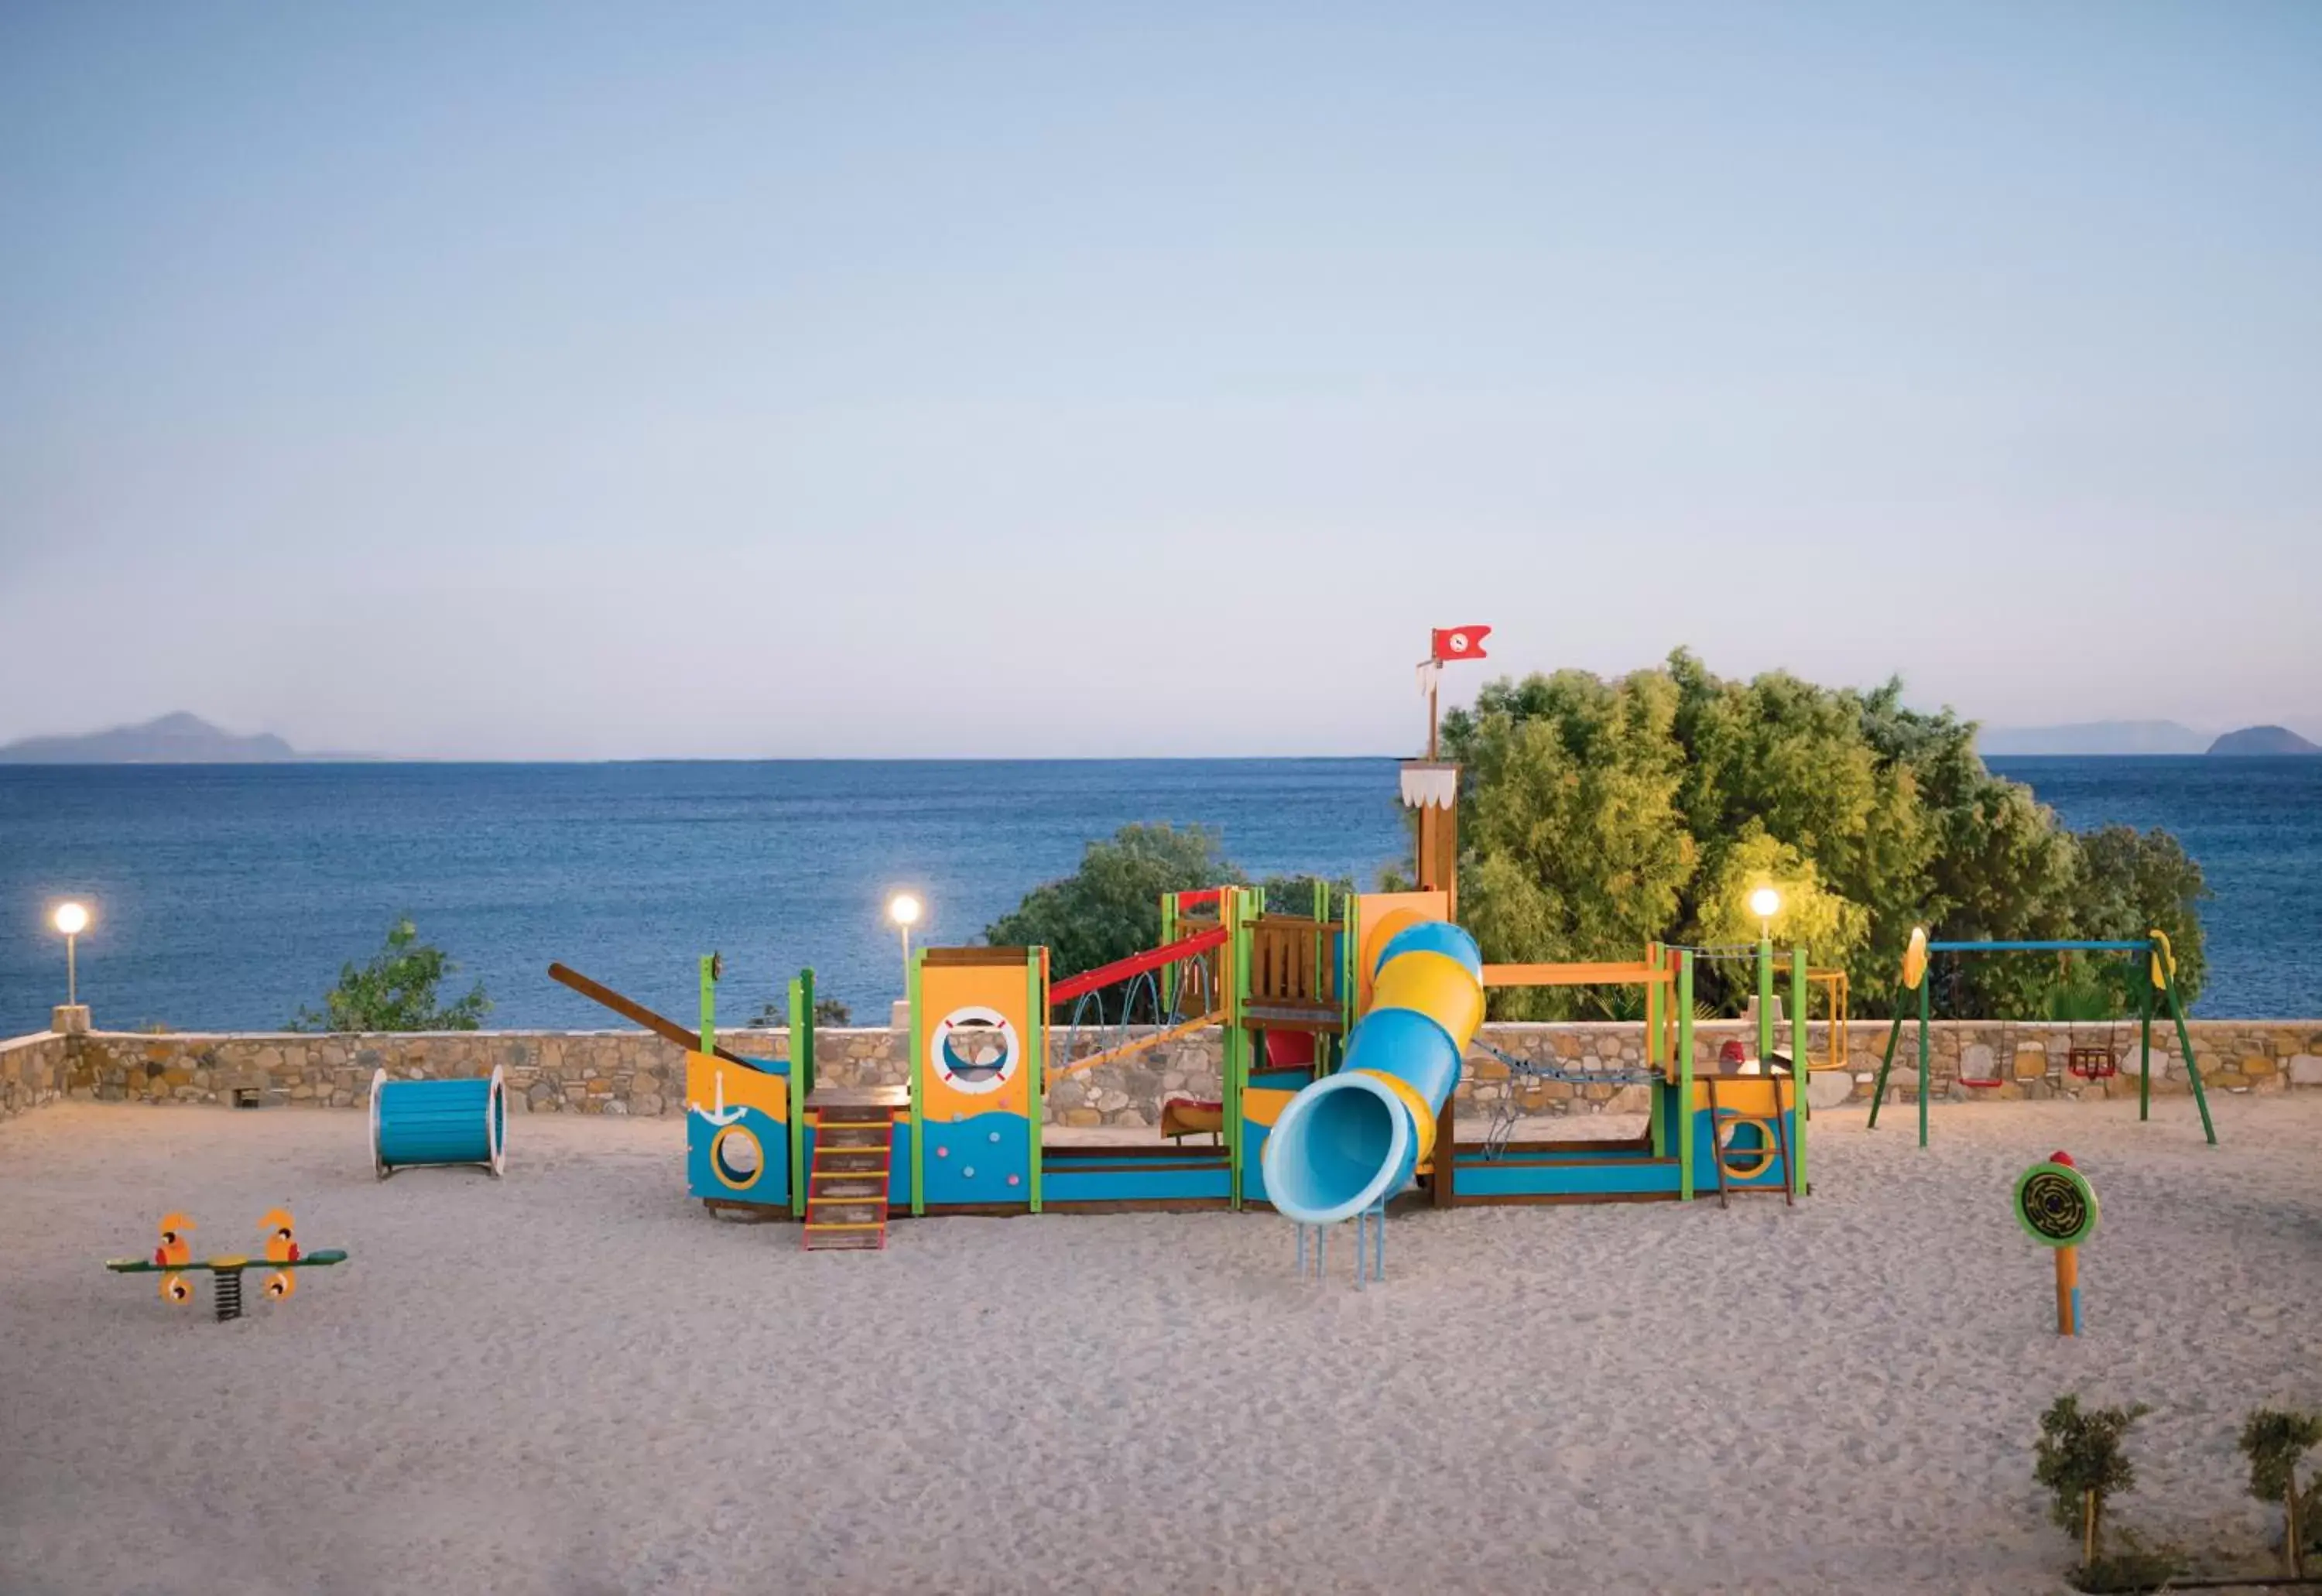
(224, 1266)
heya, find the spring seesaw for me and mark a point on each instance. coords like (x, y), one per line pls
(174, 1259)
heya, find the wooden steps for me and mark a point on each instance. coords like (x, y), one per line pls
(847, 1185)
(1772, 1154)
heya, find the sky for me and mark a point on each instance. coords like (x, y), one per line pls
(748, 380)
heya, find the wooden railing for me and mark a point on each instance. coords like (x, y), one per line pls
(1291, 964)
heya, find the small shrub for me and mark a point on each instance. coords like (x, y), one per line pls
(776, 1016)
(2083, 1461)
(2275, 1442)
(2133, 1563)
(395, 991)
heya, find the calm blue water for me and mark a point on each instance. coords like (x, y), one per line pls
(229, 896)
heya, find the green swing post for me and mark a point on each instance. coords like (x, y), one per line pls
(1799, 1073)
(2185, 1041)
(709, 1003)
(2144, 1046)
(1925, 983)
(1887, 1059)
(1036, 1056)
(1685, 1075)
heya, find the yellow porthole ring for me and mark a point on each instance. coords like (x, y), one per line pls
(1763, 1152)
(725, 1173)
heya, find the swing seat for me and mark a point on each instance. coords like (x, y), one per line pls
(2092, 1063)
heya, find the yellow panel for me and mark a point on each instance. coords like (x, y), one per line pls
(1746, 1094)
(1914, 959)
(713, 1083)
(975, 1034)
(1371, 908)
(1422, 1118)
(1262, 1105)
(1436, 985)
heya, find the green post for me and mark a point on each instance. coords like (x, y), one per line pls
(1766, 1003)
(803, 1028)
(2144, 1045)
(1321, 918)
(1237, 909)
(1799, 1072)
(709, 1003)
(1887, 1060)
(801, 1081)
(913, 1071)
(1660, 1120)
(1924, 986)
(1036, 1056)
(2185, 1041)
(1684, 1076)
(1168, 935)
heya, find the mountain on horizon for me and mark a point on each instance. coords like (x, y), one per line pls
(2091, 737)
(174, 739)
(2261, 740)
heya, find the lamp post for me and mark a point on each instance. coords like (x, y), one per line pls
(1765, 903)
(905, 909)
(72, 919)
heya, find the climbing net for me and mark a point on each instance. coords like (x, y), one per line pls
(1151, 1010)
(1522, 1072)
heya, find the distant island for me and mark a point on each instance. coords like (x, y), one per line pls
(2088, 737)
(2262, 740)
(178, 739)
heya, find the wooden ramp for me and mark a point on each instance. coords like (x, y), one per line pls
(847, 1182)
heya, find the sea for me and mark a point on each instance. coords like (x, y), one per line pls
(227, 896)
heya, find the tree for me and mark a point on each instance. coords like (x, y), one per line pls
(1110, 907)
(2274, 1442)
(1602, 815)
(1572, 842)
(2131, 882)
(2083, 1461)
(395, 991)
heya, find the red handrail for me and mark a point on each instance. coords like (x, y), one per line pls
(1104, 975)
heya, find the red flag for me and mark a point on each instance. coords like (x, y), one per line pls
(1461, 642)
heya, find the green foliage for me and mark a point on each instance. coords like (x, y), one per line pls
(2080, 1459)
(1600, 816)
(1110, 907)
(775, 1014)
(395, 991)
(2133, 1563)
(2275, 1442)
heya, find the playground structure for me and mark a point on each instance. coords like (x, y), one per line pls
(2159, 967)
(1343, 1032)
(438, 1122)
(174, 1259)
(1370, 1000)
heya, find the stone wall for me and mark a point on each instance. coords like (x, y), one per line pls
(634, 1073)
(33, 1072)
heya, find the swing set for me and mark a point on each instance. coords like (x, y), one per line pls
(2084, 1064)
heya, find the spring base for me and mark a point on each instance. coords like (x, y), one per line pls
(228, 1291)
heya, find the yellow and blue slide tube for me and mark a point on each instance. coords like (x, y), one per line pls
(1351, 1140)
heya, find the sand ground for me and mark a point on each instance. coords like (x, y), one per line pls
(574, 1381)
